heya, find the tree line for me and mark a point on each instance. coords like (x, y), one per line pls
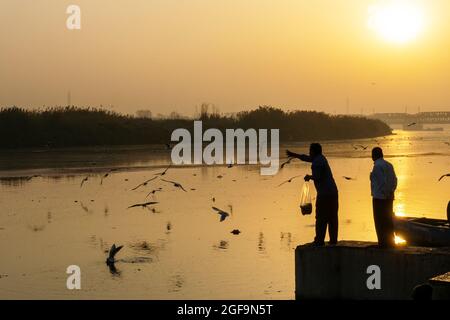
(76, 127)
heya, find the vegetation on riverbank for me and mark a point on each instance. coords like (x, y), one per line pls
(73, 126)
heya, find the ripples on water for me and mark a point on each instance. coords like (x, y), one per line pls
(178, 248)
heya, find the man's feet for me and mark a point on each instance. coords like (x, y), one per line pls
(317, 244)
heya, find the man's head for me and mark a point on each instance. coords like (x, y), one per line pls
(377, 153)
(315, 149)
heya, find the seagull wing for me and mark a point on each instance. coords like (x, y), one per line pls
(151, 179)
(82, 181)
(139, 185)
(136, 205)
(149, 203)
(114, 251)
(283, 183)
(286, 162)
(223, 216)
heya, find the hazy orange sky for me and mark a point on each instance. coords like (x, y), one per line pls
(171, 55)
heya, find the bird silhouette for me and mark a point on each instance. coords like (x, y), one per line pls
(347, 178)
(112, 253)
(143, 205)
(144, 183)
(83, 181)
(104, 176)
(361, 146)
(175, 184)
(288, 161)
(85, 208)
(411, 124)
(153, 191)
(223, 214)
(289, 180)
(443, 176)
(164, 172)
(31, 177)
(235, 231)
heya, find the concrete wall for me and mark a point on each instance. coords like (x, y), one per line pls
(340, 272)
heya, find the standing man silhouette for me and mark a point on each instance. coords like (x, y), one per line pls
(327, 204)
(383, 183)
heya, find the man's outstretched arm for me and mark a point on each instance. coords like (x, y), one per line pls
(303, 157)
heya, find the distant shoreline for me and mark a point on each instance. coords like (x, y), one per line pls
(73, 127)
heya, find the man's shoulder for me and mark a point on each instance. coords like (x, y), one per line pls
(320, 159)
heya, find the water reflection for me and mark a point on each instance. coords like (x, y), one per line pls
(176, 283)
(261, 243)
(223, 245)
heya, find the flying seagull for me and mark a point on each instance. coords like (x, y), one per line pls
(443, 176)
(164, 172)
(31, 177)
(289, 180)
(362, 147)
(144, 183)
(347, 178)
(175, 184)
(236, 231)
(104, 176)
(112, 253)
(286, 162)
(83, 181)
(411, 124)
(143, 205)
(223, 214)
(153, 192)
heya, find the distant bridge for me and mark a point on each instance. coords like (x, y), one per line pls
(438, 117)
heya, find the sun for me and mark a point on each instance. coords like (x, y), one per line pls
(397, 21)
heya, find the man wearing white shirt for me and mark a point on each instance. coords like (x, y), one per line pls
(383, 183)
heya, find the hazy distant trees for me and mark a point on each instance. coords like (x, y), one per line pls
(146, 114)
(72, 126)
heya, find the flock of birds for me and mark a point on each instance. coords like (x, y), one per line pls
(223, 215)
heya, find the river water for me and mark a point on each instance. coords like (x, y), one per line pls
(178, 249)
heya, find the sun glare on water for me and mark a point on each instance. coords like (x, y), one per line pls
(397, 21)
(399, 241)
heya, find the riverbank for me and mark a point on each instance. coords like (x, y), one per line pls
(82, 127)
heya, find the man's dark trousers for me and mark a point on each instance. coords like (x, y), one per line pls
(384, 224)
(327, 207)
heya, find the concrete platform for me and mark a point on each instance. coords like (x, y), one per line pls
(340, 272)
(441, 286)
